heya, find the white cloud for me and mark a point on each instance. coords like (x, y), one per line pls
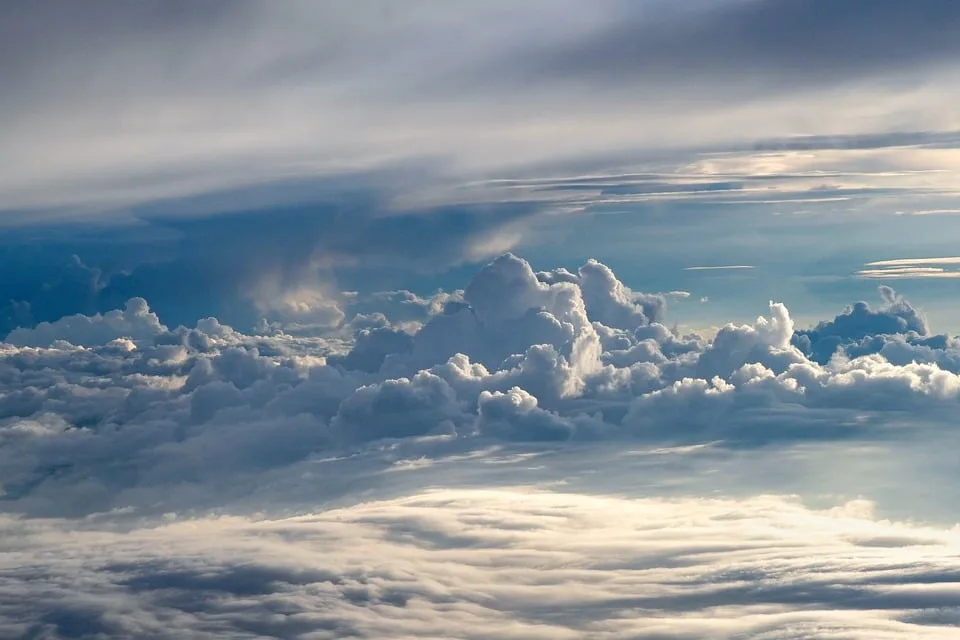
(517, 356)
(908, 262)
(931, 212)
(910, 268)
(135, 321)
(719, 267)
(472, 563)
(411, 457)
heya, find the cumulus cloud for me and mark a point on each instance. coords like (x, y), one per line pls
(114, 410)
(506, 310)
(135, 321)
(859, 322)
(120, 436)
(514, 415)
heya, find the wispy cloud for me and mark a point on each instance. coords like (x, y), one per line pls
(911, 268)
(720, 267)
(904, 262)
(155, 101)
(931, 212)
(907, 273)
(479, 127)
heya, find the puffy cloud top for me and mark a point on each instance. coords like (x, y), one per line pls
(520, 356)
(860, 321)
(135, 322)
(127, 427)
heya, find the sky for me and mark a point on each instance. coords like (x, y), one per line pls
(421, 319)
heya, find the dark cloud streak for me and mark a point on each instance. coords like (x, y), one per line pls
(775, 43)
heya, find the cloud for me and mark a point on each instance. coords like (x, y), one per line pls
(116, 410)
(460, 469)
(300, 306)
(910, 268)
(135, 321)
(399, 408)
(474, 562)
(806, 42)
(241, 266)
(437, 87)
(931, 212)
(514, 415)
(906, 273)
(719, 268)
(906, 262)
(859, 322)
(506, 311)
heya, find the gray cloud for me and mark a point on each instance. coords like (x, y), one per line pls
(156, 101)
(859, 324)
(239, 265)
(740, 45)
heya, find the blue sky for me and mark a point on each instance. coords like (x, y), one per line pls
(514, 319)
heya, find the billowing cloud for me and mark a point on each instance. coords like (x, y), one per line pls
(135, 321)
(114, 410)
(461, 469)
(859, 322)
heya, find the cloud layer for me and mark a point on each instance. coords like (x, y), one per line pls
(387, 478)
(481, 563)
(154, 102)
